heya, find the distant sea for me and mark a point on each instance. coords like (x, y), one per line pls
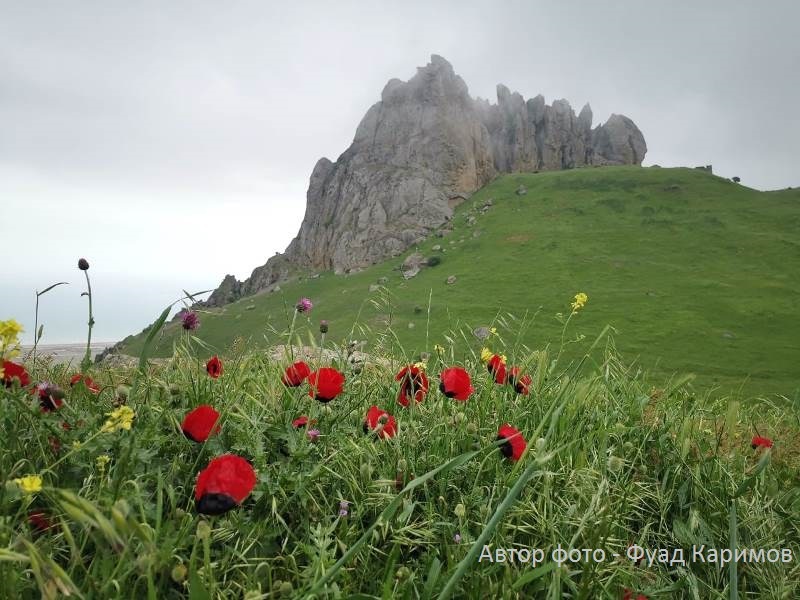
(64, 353)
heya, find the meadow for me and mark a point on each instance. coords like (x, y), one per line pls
(239, 476)
(695, 274)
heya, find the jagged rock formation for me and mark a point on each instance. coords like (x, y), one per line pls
(419, 152)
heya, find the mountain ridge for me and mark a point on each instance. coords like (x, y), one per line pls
(417, 153)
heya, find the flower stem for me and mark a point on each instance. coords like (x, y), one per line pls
(36, 330)
(87, 359)
(291, 333)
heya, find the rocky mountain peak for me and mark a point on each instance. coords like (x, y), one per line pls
(418, 152)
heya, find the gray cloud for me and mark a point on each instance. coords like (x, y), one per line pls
(173, 141)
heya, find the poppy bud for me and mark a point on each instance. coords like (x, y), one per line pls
(83, 264)
(286, 588)
(615, 463)
(541, 444)
(472, 429)
(402, 465)
(460, 511)
(203, 530)
(178, 573)
(323, 326)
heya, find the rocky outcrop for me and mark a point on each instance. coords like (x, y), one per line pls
(418, 153)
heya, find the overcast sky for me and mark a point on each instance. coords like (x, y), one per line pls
(171, 143)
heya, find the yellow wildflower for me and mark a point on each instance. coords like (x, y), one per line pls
(9, 341)
(121, 418)
(76, 445)
(30, 484)
(420, 365)
(102, 461)
(580, 301)
(486, 355)
(10, 329)
(503, 358)
(493, 331)
(439, 349)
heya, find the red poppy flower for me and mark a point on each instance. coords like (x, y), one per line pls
(87, 381)
(50, 396)
(11, 371)
(414, 384)
(300, 421)
(39, 521)
(521, 383)
(497, 368)
(761, 442)
(628, 595)
(295, 374)
(223, 484)
(514, 444)
(381, 422)
(201, 423)
(214, 367)
(326, 384)
(456, 384)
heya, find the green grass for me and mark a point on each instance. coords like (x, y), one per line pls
(609, 463)
(696, 274)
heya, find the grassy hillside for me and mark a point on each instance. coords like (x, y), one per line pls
(695, 273)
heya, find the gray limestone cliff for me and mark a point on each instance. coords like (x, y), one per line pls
(417, 153)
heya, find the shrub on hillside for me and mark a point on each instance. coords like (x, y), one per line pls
(433, 261)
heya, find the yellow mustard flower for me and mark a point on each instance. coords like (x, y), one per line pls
(493, 331)
(9, 339)
(121, 418)
(439, 349)
(76, 445)
(486, 355)
(580, 301)
(420, 365)
(101, 461)
(30, 484)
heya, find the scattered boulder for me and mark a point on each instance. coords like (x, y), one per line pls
(437, 248)
(481, 332)
(521, 190)
(412, 261)
(450, 280)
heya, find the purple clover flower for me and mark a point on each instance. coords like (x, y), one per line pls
(189, 320)
(312, 434)
(343, 506)
(304, 305)
(457, 538)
